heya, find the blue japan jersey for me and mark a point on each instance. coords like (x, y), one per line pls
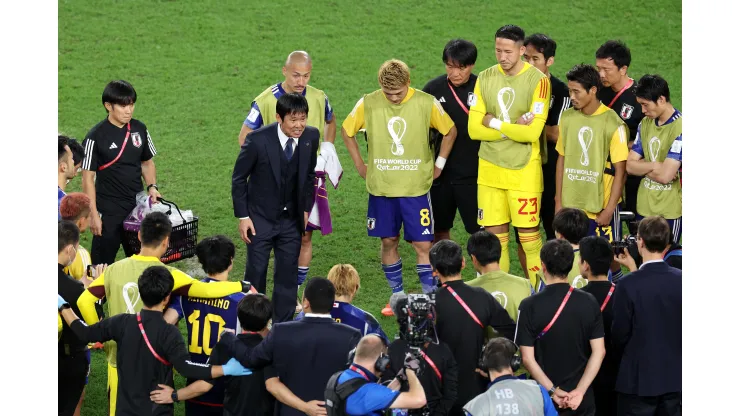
(205, 319)
(355, 317)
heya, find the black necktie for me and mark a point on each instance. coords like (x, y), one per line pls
(289, 149)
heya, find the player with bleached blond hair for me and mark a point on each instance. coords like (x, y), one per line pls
(400, 168)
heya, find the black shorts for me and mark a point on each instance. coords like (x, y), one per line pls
(72, 376)
(448, 198)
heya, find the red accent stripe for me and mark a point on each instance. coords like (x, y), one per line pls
(123, 146)
(557, 314)
(459, 102)
(465, 306)
(205, 403)
(148, 344)
(608, 295)
(542, 88)
(431, 364)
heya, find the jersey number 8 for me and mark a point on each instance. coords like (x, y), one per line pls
(425, 218)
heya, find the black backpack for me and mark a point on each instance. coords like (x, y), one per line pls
(335, 395)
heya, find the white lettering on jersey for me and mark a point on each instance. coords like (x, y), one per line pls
(539, 108)
(585, 138)
(397, 128)
(131, 296)
(252, 117)
(676, 146)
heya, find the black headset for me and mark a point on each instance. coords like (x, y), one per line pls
(516, 359)
(383, 362)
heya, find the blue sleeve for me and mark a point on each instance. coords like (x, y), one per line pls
(254, 118)
(370, 398)
(328, 110)
(549, 407)
(637, 145)
(176, 305)
(676, 149)
(299, 316)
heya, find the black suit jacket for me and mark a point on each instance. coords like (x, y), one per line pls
(647, 330)
(304, 353)
(255, 183)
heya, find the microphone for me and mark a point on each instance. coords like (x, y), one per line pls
(398, 302)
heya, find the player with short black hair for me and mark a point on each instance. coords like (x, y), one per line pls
(78, 153)
(593, 155)
(118, 153)
(73, 354)
(540, 53)
(660, 159)
(510, 108)
(216, 256)
(118, 284)
(613, 59)
(239, 395)
(456, 189)
(597, 256)
(571, 225)
(297, 72)
(561, 334)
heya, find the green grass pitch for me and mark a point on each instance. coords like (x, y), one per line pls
(196, 66)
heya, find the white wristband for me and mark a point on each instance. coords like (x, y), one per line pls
(440, 162)
(495, 124)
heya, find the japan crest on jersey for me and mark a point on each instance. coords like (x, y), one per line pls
(371, 223)
(626, 111)
(136, 139)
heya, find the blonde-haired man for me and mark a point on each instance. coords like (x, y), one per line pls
(397, 119)
(346, 282)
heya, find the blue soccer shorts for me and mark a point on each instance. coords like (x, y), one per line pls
(612, 232)
(385, 215)
(675, 225)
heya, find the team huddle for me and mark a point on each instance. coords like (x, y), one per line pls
(512, 146)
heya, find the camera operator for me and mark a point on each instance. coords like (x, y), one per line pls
(417, 338)
(463, 315)
(356, 391)
(646, 330)
(506, 393)
(627, 254)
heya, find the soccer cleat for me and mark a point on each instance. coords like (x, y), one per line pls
(387, 311)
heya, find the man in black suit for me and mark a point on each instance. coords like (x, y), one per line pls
(649, 377)
(304, 353)
(272, 189)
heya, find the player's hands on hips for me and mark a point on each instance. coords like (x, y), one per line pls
(605, 217)
(314, 408)
(526, 119)
(234, 368)
(163, 395)
(437, 172)
(96, 224)
(362, 170)
(154, 195)
(245, 226)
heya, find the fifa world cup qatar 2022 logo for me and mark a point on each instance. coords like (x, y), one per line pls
(585, 138)
(397, 128)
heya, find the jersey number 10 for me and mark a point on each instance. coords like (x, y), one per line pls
(194, 321)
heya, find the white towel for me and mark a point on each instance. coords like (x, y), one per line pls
(331, 164)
